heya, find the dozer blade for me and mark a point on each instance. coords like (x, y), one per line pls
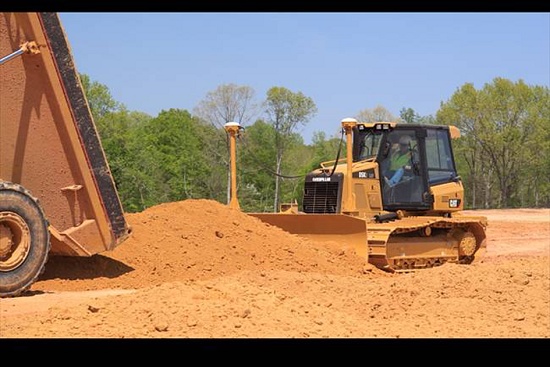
(343, 229)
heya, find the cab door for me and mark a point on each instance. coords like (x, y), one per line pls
(411, 191)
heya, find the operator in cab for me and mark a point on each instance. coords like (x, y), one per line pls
(400, 157)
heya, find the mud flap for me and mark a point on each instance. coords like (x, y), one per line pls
(343, 229)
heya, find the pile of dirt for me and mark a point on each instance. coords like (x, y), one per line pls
(199, 269)
(196, 240)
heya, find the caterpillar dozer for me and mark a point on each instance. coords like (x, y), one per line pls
(397, 218)
(57, 194)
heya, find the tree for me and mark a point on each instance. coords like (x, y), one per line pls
(294, 165)
(228, 103)
(286, 110)
(99, 97)
(503, 124)
(116, 127)
(326, 149)
(426, 120)
(153, 160)
(377, 114)
(122, 149)
(408, 115)
(257, 154)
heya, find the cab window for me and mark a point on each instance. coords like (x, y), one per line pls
(439, 157)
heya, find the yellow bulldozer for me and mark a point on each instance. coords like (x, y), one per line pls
(396, 198)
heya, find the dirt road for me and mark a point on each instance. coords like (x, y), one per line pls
(198, 269)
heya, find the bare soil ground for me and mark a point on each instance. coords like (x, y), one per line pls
(199, 269)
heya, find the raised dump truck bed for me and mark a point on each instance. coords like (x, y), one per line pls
(57, 194)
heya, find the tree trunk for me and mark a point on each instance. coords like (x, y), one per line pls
(277, 181)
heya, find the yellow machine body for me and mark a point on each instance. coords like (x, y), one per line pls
(415, 223)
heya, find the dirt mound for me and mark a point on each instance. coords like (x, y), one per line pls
(197, 269)
(197, 240)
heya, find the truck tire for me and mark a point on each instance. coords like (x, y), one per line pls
(24, 239)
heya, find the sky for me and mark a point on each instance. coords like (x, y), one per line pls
(345, 62)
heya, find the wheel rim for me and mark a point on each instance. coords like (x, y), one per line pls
(14, 241)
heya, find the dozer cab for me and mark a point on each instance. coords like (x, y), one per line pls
(398, 217)
(57, 195)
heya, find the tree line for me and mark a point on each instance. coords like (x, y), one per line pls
(503, 154)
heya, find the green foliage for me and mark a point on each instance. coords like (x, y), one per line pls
(504, 126)
(294, 168)
(257, 157)
(99, 97)
(408, 115)
(325, 150)
(122, 147)
(427, 120)
(227, 103)
(257, 168)
(172, 152)
(285, 111)
(503, 155)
